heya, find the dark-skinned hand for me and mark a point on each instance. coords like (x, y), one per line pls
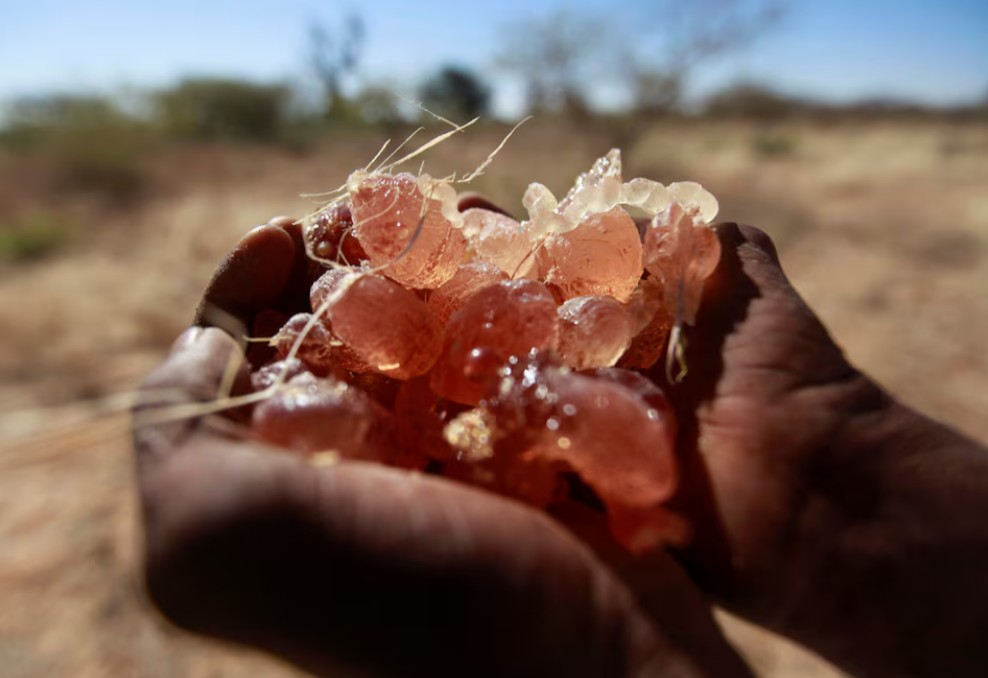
(821, 506)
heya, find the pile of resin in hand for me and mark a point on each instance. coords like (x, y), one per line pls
(504, 354)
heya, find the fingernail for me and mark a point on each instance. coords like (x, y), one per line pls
(187, 338)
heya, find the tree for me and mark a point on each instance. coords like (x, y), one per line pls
(684, 36)
(556, 56)
(207, 108)
(456, 93)
(654, 90)
(752, 100)
(564, 57)
(334, 56)
(62, 110)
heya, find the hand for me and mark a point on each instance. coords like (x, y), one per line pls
(822, 507)
(361, 567)
(766, 396)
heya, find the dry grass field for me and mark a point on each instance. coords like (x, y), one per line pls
(882, 226)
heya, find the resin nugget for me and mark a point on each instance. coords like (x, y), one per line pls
(503, 320)
(405, 233)
(387, 326)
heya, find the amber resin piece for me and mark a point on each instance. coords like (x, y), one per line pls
(613, 428)
(500, 240)
(422, 415)
(329, 236)
(650, 315)
(279, 371)
(602, 256)
(318, 349)
(383, 323)
(403, 232)
(682, 251)
(469, 279)
(309, 415)
(490, 442)
(618, 444)
(503, 320)
(594, 331)
(645, 389)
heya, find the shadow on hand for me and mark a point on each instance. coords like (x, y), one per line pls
(727, 296)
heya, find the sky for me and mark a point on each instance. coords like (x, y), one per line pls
(928, 51)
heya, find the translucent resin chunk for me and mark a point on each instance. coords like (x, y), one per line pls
(309, 415)
(278, 371)
(653, 320)
(329, 236)
(469, 279)
(594, 331)
(616, 433)
(500, 240)
(503, 320)
(682, 252)
(317, 347)
(388, 327)
(619, 445)
(602, 256)
(402, 232)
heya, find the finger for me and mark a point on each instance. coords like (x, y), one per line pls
(251, 278)
(204, 363)
(748, 269)
(472, 200)
(750, 287)
(756, 238)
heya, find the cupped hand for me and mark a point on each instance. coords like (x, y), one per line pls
(355, 567)
(764, 411)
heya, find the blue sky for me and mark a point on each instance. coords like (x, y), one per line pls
(935, 52)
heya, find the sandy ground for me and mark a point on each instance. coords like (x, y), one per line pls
(883, 228)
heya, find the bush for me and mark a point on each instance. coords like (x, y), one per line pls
(92, 143)
(29, 119)
(210, 109)
(456, 93)
(773, 145)
(752, 101)
(31, 237)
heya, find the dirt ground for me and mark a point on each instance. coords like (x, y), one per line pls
(882, 227)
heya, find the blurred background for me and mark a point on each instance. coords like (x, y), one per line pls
(138, 141)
